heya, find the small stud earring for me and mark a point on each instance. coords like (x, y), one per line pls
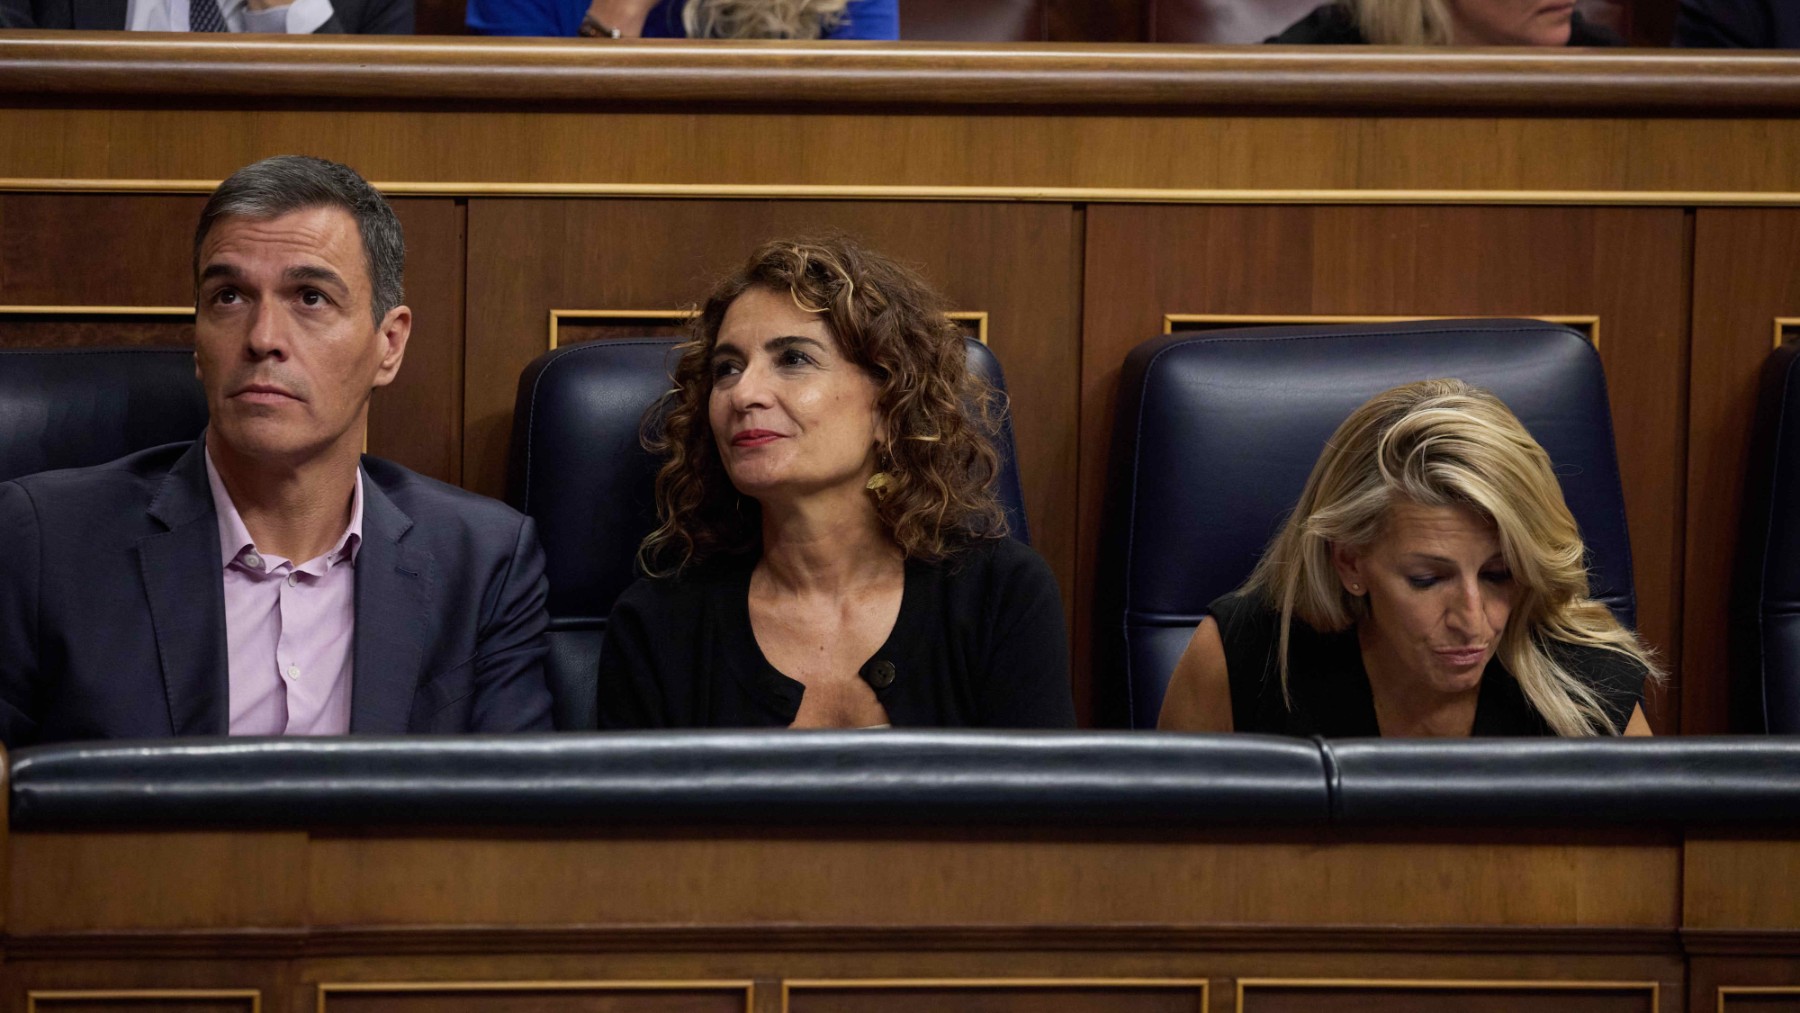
(1356, 589)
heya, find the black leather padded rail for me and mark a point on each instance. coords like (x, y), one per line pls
(74, 407)
(1217, 431)
(1565, 782)
(1065, 780)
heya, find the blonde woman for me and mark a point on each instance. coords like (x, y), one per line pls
(1447, 23)
(713, 19)
(1430, 582)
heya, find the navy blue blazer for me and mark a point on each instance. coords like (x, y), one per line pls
(112, 606)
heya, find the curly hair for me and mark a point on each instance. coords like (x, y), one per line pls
(940, 418)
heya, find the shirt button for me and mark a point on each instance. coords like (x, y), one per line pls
(293, 578)
(253, 561)
(880, 674)
(293, 671)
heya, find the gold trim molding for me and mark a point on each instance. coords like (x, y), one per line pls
(977, 317)
(1588, 321)
(325, 989)
(789, 986)
(558, 316)
(1729, 990)
(97, 311)
(1397, 984)
(1036, 194)
(143, 994)
(1783, 325)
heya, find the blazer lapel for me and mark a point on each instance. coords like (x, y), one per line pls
(183, 580)
(393, 618)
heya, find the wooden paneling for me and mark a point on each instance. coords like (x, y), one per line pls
(1428, 997)
(1031, 154)
(534, 997)
(1018, 263)
(417, 420)
(1718, 894)
(824, 878)
(83, 882)
(1737, 299)
(1784, 999)
(97, 249)
(903, 996)
(1628, 267)
(70, 327)
(395, 70)
(143, 1001)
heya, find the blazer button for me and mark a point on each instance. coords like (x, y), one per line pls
(879, 674)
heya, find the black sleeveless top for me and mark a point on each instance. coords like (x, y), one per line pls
(1331, 689)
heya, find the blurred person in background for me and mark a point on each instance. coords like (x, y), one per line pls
(694, 19)
(1448, 23)
(298, 17)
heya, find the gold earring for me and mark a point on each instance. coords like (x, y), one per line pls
(880, 483)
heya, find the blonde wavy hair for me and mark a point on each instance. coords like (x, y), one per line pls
(1446, 443)
(940, 418)
(761, 19)
(1402, 22)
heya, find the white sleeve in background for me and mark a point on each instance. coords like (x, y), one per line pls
(302, 17)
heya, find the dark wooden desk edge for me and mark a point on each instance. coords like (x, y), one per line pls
(37, 65)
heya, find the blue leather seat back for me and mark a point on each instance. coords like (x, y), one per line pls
(577, 467)
(1765, 612)
(1216, 433)
(75, 407)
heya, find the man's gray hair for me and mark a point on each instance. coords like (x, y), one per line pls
(287, 183)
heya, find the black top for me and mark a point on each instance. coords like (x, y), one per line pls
(1333, 25)
(979, 643)
(1331, 689)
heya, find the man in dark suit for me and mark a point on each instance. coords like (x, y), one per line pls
(268, 578)
(296, 17)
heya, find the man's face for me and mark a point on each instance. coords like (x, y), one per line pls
(283, 342)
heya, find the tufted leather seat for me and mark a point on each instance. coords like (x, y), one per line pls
(1765, 613)
(578, 469)
(1216, 433)
(74, 407)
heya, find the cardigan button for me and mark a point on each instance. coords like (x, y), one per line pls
(879, 674)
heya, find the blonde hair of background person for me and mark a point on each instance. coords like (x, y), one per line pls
(1435, 443)
(722, 19)
(1402, 22)
(760, 19)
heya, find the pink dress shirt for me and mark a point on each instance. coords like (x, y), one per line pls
(289, 628)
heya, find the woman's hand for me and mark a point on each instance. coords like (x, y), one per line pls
(616, 19)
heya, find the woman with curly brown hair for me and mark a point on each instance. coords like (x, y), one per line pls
(831, 552)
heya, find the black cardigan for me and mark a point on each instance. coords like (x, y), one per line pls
(979, 642)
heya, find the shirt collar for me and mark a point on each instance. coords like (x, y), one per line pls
(234, 537)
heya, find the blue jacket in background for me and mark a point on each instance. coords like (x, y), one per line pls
(863, 19)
